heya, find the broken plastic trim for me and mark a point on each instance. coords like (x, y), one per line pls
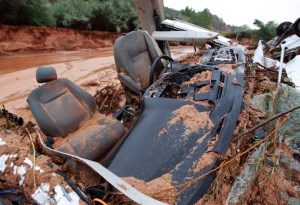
(110, 177)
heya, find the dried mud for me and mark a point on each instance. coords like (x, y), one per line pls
(199, 77)
(206, 159)
(153, 188)
(269, 188)
(21, 148)
(192, 119)
(194, 57)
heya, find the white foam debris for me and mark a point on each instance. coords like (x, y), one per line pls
(74, 197)
(59, 193)
(37, 168)
(41, 195)
(2, 142)
(21, 170)
(29, 162)
(62, 197)
(3, 159)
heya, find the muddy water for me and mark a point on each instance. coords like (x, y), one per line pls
(19, 62)
(23, 61)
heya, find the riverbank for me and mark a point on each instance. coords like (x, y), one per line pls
(24, 39)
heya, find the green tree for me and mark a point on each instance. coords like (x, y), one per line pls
(266, 31)
(74, 13)
(174, 14)
(190, 15)
(104, 17)
(26, 12)
(127, 17)
(205, 18)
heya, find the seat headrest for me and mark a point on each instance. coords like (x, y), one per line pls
(45, 74)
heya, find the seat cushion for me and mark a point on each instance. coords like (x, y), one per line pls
(95, 139)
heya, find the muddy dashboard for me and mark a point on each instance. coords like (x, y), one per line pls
(186, 115)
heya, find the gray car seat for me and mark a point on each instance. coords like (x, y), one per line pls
(134, 54)
(63, 109)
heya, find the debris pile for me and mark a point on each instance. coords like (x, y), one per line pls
(26, 174)
(109, 98)
(261, 166)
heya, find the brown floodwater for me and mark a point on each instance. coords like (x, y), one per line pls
(17, 62)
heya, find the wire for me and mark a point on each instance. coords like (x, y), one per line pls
(34, 153)
(99, 200)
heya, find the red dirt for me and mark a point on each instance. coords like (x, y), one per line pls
(269, 188)
(21, 147)
(206, 75)
(192, 57)
(30, 38)
(206, 159)
(192, 119)
(228, 68)
(154, 188)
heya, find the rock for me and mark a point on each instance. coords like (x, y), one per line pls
(291, 200)
(291, 167)
(246, 178)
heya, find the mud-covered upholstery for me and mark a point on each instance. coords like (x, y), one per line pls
(134, 54)
(60, 107)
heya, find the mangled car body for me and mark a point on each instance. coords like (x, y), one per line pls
(181, 127)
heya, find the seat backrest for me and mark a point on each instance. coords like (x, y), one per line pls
(59, 106)
(134, 54)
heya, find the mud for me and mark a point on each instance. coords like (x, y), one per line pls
(202, 103)
(192, 119)
(21, 171)
(199, 77)
(18, 62)
(270, 187)
(228, 68)
(153, 188)
(192, 57)
(94, 120)
(206, 159)
(36, 39)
